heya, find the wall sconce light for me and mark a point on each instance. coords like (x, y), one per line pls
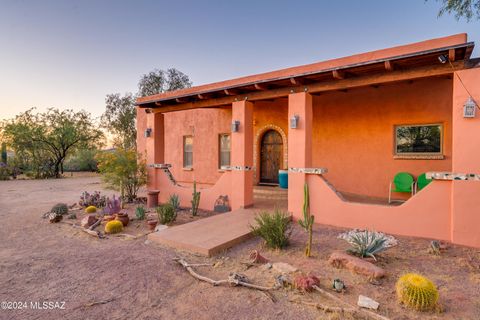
(294, 122)
(443, 58)
(148, 132)
(469, 108)
(235, 126)
(148, 110)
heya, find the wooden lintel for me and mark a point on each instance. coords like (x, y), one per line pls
(451, 55)
(389, 65)
(296, 81)
(261, 87)
(230, 92)
(389, 77)
(338, 74)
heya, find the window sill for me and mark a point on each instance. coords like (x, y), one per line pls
(419, 157)
(187, 169)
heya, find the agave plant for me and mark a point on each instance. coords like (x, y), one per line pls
(367, 243)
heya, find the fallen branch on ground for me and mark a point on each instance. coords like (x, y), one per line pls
(94, 233)
(90, 304)
(234, 279)
(93, 226)
(324, 307)
(360, 310)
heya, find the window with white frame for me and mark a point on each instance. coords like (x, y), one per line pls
(187, 151)
(223, 150)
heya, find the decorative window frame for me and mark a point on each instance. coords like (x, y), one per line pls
(190, 167)
(417, 155)
(257, 146)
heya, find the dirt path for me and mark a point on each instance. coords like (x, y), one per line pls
(44, 262)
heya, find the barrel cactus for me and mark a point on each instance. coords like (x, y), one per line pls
(60, 208)
(417, 292)
(114, 226)
(90, 209)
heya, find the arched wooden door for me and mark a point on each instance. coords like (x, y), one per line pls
(271, 151)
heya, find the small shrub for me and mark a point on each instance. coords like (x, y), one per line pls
(366, 243)
(60, 208)
(274, 228)
(5, 171)
(114, 226)
(417, 292)
(92, 199)
(174, 200)
(90, 209)
(140, 212)
(166, 214)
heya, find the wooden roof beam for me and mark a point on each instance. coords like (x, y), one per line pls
(230, 92)
(260, 87)
(297, 81)
(451, 55)
(389, 65)
(181, 100)
(338, 74)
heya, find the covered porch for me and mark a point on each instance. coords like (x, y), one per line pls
(331, 125)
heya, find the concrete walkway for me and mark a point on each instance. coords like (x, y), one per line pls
(208, 236)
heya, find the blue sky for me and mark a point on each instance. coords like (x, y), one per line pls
(72, 53)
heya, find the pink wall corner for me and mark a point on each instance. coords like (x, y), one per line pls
(466, 159)
(427, 214)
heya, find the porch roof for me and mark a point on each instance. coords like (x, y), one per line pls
(326, 75)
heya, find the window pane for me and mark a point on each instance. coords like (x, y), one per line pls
(224, 150)
(418, 139)
(187, 151)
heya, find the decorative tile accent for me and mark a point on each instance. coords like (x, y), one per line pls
(160, 165)
(452, 176)
(236, 168)
(308, 170)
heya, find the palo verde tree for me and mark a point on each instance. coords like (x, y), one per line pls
(120, 113)
(467, 9)
(44, 140)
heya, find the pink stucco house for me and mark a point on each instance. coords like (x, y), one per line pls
(345, 126)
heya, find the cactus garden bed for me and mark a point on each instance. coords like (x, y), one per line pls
(130, 279)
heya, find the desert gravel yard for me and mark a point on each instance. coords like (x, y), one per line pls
(122, 278)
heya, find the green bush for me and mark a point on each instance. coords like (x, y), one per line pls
(140, 212)
(166, 214)
(274, 228)
(174, 201)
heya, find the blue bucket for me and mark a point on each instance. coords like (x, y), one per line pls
(283, 178)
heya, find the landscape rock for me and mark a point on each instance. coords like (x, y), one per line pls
(160, 227)
(366, 302)
(87, 221)
(266, 266)
(355, 264)
(283, 267)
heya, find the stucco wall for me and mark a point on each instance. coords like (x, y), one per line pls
(353, 132)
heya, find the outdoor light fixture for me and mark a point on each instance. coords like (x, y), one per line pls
(148, 132)
(235, 125)
(148, 110)
(443, 58)
(294, 122)
(469, 108)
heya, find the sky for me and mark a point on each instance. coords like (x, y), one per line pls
(70, 54)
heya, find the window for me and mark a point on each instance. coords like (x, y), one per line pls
(223, 150)
(418, 140)
(187, 151)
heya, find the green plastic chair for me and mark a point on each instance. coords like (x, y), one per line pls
(402, 182)
(422, 182)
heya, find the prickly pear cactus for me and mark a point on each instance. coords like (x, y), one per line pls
(417, 292)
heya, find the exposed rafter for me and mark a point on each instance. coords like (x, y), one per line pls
(389, 65)
(261, 87)
(338, 74)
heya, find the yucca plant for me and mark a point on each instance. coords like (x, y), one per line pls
(274, 228)
(174, 200)
(367, 244)
(307, 222)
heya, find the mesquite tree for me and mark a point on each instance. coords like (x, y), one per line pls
(307, 222)
(45, 139)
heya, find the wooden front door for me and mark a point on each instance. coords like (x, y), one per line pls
(271, 151)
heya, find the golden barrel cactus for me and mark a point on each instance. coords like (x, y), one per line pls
(90, 209)
(417, 292)
(114, 226)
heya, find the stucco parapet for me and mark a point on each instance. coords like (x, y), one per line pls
(308, 170)
(452, 176)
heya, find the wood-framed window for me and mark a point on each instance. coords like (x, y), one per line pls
(188, 152)
(419, 141)
(223, 150)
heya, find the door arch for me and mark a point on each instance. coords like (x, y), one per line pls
(271, 156)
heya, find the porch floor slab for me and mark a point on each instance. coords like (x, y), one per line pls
(208, 236)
